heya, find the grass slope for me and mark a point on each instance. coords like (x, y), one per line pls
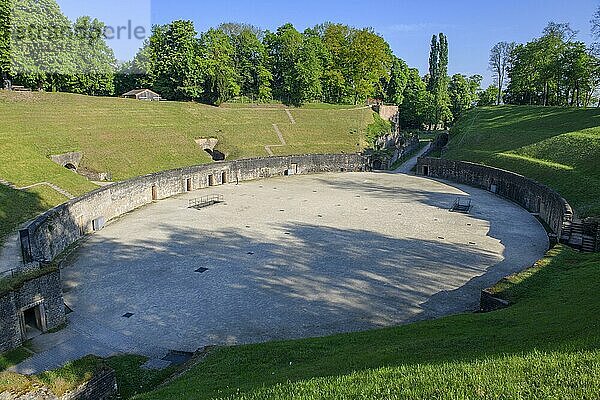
(130, 138)
(547, 345)
(556, 146)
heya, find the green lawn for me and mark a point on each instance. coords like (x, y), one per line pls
(130, 138)
(546, 345)
(556, 146)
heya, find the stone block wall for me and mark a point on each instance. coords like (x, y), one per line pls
(531, 195)
(10, 331)
(46, 291)
(52, 232)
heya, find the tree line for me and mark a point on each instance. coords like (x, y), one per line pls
(552, 70)
(332, 63)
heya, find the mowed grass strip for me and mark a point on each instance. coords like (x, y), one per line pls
(559, 147)
(546, 345)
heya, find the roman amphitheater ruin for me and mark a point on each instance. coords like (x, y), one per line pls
(274, 248)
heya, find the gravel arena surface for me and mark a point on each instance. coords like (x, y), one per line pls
(294, 257)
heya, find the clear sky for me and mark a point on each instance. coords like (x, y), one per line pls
(472, 26)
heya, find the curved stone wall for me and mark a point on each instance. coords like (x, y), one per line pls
(52, 232)
(536, 198)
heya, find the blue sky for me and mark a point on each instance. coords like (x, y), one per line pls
(472, 27)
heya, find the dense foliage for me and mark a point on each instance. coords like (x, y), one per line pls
(49, 52)
(331, 62)
(5, 21)
(552, 70)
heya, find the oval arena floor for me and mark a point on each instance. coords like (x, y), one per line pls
(295, 257)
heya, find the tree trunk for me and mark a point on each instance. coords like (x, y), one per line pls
(500, 82)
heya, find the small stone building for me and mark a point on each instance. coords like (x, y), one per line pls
(33, 308)
(142, 94)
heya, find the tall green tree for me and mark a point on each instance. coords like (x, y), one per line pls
(93, 60)
(553, 70)
(336, 39)
(309, 68)
(463, 93)
(438, 80)
(250, 59)
(173, 61)
(434, 65)
(42, 37)
(397, 83)
(284, 47)
(217, 67)
(415, 110)
(487, 97)
(370, 62)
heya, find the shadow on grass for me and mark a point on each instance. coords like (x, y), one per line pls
(17, 207)
(533, 123)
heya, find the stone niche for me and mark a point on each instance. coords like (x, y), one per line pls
(68, 160)
(209, 145)
(32, 309)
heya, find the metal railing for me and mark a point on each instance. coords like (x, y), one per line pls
(460, 206)
(206, 201)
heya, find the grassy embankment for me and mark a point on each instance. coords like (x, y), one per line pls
(130, 138)
(559, 147)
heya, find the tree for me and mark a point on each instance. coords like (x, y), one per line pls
(500, 57)
(370, 61)
(309, 68)
(217, 67)
(336, 39)
(173, 65)
(434, 65)
(463, 93)
(488, 97)
(283, 48)
(553, 70)
(415, 110)
(250, 59)
(41, 39)
(234, 29)
(437, 83)
(397, 83)
(94, 61)
(5, 39)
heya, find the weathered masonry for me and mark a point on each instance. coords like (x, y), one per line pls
(536, 198)
(52, 232)
(34, 307)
